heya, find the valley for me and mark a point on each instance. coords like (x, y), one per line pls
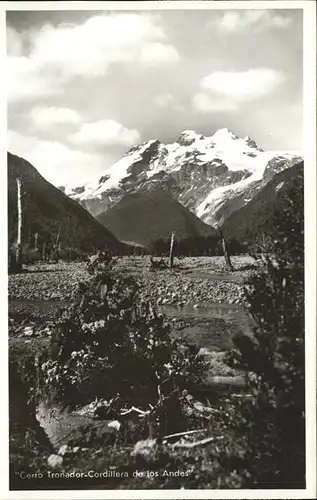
(95, 348)
(156, 255)
(195, 282)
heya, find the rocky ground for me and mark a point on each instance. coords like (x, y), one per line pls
(181, 290)
(37, 293)
(194, 280)
(46, 281)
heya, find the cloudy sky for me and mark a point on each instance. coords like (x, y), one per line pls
(84, 86)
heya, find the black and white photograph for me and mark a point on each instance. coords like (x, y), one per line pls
(156, 252)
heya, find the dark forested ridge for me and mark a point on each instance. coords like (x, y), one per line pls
(149, 216)
(47, 211)
(257, 217)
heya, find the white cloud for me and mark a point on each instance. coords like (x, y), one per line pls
(243, 86)
(154, 53)
(254, 21)
(164, 100)
(59, 54)
(27, 81)
(14, 42)
(208, 103)
(225, 90)
(167, 100)
(51, 117)
(103, 133)
(59, 164)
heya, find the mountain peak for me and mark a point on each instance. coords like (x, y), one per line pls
(187, 137)
(143, 146)
(250, 142)
(203, 172)
(224, 134)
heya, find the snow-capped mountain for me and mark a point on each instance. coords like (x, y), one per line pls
(212, 176)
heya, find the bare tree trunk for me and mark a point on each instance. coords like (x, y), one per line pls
(225, 252)
(19, 237)
(44, 252)
(36, 241)
(172, 251)
(58, 242)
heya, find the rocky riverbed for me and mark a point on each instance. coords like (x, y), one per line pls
(172, 288)
(47, 281)
(194, 281)
(36, 294)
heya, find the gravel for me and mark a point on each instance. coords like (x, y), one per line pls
(36, 294)
(47, 282)
(55, 282)
(167, 288)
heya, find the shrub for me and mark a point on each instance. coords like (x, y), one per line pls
(271, 426)
(99, 262)
(108, 344)
(22, 372)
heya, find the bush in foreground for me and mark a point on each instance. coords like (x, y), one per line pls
(110, 345)
(271, 426)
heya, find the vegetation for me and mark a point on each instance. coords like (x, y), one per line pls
(106, 344)
(272, 424)
(49, 212)
(114, 353)
(111, 353)
(197, 246)
(259, 215)
(147, 216)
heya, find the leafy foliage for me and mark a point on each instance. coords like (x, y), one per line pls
(272, 423)
(108, 344)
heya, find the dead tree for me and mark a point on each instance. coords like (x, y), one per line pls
(171, 259)
(134, 252)
(36, 241)
(18, 257)
(58, 241)
(225, 251)
(46, 250)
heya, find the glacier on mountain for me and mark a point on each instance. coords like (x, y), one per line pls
(212, 176)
